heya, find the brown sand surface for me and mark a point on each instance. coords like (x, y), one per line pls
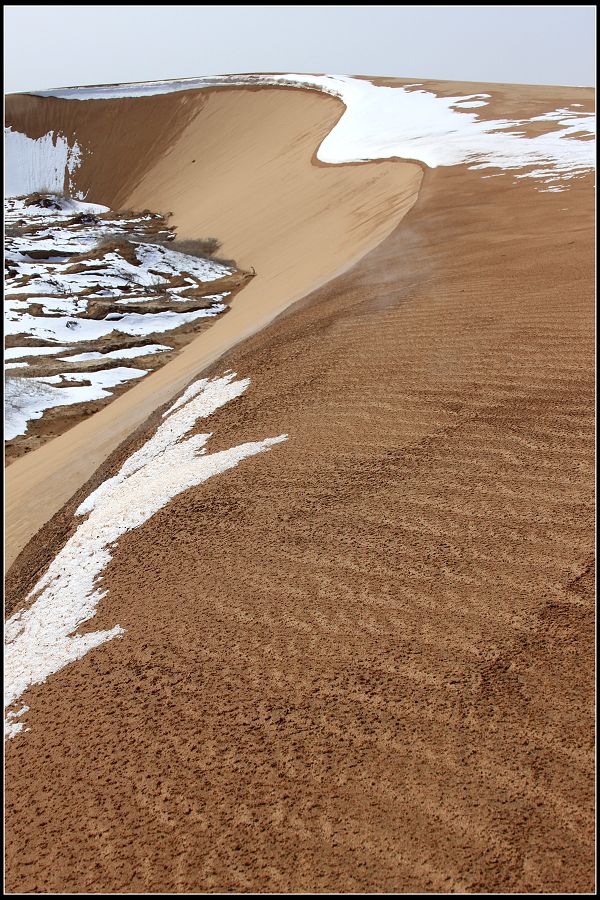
(239, 167)
(362, 661)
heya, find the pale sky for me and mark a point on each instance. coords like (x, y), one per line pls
(57, 46)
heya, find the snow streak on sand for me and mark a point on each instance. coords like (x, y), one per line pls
(383, 122)
(41, 640)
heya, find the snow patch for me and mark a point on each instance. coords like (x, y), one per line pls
(125, 353)
(27, 399)
(47, 163)
(71, 328)
(23, 352)
(42, 639)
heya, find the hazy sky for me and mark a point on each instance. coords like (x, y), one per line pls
(55, 46)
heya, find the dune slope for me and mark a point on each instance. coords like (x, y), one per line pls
(362, 661)
(241, 168)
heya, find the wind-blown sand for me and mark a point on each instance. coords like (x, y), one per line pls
(364, 661)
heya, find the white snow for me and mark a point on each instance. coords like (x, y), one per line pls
(104, 378)
(190, 392)
(171, 262)
(22, 352)
(27, 399)
(62, 298)
(383, 122)
(71, 328)
(64, 207)
(134, 89)
(157, 265)
(43, 639)
(38, 164)
(10, 726)
(125, 353)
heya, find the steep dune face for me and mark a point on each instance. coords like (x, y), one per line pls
(236, 164)
(119, 140)
(240, 170)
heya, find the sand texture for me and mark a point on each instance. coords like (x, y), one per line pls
(364, 660)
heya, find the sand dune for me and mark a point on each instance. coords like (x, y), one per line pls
(257, 189)
(362, 661)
